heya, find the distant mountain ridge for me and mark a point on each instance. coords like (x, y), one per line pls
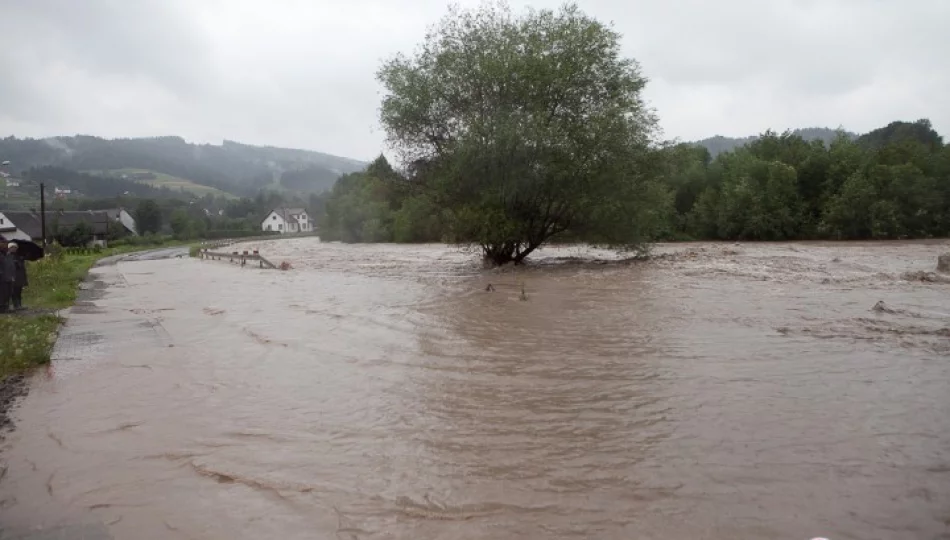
(719, 144)
(236, 168)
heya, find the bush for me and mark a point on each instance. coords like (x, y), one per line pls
(147, 239)
(220, 234)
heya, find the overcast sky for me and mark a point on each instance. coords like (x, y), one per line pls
(300, 73)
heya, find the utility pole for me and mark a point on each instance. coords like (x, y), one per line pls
(43, 212)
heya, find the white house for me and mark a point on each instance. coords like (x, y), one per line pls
(287, 220)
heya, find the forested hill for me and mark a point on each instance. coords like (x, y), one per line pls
(719, 144)
(233, 167)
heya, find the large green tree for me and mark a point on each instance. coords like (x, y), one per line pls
(525, 127)
(148, 217)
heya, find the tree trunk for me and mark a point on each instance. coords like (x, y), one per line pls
(509, 252)
(520, 256)
(499, 255)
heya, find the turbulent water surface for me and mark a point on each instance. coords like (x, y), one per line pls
(718, 391)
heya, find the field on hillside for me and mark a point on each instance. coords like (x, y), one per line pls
(171, 182)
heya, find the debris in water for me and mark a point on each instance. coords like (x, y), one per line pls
(943, 263)
(490, 288)
(924, 277)
(524, 296)
(881, 307)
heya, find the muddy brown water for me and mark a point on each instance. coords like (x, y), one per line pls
(719, 391)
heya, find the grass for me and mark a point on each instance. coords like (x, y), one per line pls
(26, 341)
(54, 281)
(172, 182)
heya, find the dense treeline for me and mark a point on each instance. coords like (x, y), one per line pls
(893, 182)
(719, 144)
(94, 186)
(380, 205)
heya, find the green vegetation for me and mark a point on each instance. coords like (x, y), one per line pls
(519, 131)
(162, 180)
(54, 280)
(25, 342)
(148, 217)
(893, 182)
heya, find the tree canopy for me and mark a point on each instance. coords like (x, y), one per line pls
(892, 183)
(148, 217)
(525, 127)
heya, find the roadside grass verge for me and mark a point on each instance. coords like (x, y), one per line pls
(26, 342)
(27, 338)
(54, 281)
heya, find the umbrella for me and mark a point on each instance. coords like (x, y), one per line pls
(28, 250)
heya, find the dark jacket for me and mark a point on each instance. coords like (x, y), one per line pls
(8, 267)
(19, 276)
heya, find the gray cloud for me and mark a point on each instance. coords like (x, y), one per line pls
(301, 73)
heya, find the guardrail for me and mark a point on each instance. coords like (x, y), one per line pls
(236, 257)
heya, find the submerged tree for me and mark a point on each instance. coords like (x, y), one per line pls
(523, 128)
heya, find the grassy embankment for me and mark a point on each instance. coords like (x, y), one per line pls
(26, 339)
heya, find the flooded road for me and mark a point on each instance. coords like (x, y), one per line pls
(717, 392)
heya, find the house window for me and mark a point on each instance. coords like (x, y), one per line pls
(268, 227)
(273, 217)
(281, 226)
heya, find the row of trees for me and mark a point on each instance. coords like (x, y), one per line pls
(893, 182)
(519, 130)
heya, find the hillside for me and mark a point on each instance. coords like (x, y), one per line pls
(162, 180)
(235, 168)
(719, 144)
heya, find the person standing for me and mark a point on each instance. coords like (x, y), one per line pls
(7, 277)
(19, 276)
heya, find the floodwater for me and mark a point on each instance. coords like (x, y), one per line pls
(716, 392)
